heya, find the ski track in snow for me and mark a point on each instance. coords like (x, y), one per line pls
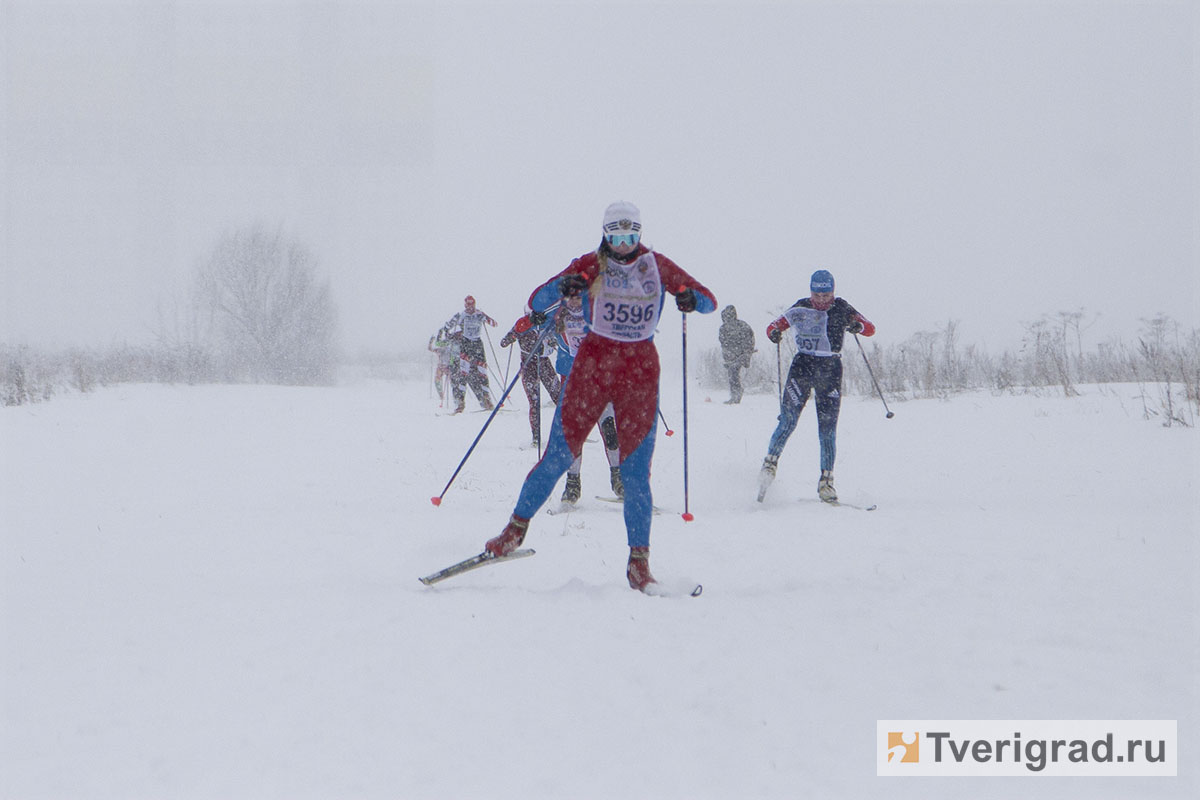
(212, 592)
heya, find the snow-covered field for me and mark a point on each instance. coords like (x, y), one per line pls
(211, 592)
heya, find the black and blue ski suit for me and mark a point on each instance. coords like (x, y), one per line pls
(816, 369)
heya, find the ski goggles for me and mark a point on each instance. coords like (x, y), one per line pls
(622, 239)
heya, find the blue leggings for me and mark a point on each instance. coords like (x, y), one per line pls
(635, 475)
(822, 377)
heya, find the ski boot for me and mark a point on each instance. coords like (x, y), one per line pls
(510, 538)
(573, 489)
(825, 488)
(615, 477)
(638, 570)
(766, 475)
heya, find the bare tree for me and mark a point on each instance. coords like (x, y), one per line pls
(271, 317)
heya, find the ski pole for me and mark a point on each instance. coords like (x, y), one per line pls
(687, 515)
(437, 501)
(665, 425)
(493, 372)
(508, 364)
(872, 374)
(779, 369)
(536, 411)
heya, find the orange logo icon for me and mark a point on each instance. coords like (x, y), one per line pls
(904, 747)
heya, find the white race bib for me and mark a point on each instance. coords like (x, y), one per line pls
(625, 300)
(574, 329)
(811, 328)
(472, 325)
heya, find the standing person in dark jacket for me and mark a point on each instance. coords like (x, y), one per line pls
(737, 345)
(820, 323)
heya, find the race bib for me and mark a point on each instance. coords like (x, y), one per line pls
(574, 329)
(472, 325)
(811, 328)
(625, 303)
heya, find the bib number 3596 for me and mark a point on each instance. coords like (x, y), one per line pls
(633, 314)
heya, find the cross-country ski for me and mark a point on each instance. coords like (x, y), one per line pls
(674, 589)
(843, 504)
(815, 501)
(474, 562)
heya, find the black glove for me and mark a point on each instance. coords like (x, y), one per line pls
(537, 317)
(685, 301)
(572, 284)
(855, 327)
(775, 335)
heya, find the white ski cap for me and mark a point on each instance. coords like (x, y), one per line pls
(622, 217)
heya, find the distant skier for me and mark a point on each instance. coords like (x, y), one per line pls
(737, 345)
(617, 363)
(820, 323)
(466, 329)
(447, 360)
(537, 370)
(570, 326)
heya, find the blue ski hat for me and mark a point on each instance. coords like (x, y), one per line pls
(822, 281)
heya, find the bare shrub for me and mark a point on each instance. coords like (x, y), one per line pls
(263, 311)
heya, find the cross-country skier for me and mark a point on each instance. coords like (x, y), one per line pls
(617, 363)
(466, 327)
(537, 370)
(737, 345)
(570, 326)
(820, 323)
(447, 360)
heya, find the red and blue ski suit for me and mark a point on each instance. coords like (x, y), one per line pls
(617, 362)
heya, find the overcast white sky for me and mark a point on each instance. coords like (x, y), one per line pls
(987, 162)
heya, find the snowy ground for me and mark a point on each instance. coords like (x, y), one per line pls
(211, 592)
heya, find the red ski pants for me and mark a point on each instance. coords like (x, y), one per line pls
(623, 373)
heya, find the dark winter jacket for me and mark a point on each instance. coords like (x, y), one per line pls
(736, 338)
